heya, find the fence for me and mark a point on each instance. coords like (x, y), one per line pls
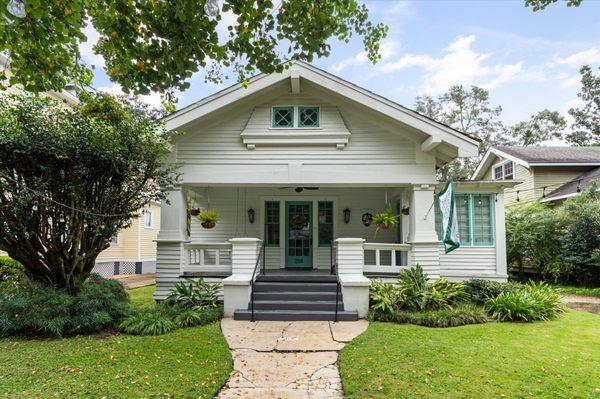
(118, 267)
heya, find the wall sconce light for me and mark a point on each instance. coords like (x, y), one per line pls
(347, 215)
(251, 214)
(405, 210)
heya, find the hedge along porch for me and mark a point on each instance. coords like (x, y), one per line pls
(304, 150)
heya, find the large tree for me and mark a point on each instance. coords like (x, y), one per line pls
(154, 45)
(542, 127)
(586, 128)
(71, 178)
(468, 111)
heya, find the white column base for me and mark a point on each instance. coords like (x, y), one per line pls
(355, 290)
(236, 293)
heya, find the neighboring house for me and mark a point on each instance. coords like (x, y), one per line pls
(133, 249)
(549, 174)
(301, 159)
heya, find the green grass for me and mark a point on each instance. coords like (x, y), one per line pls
(188, 363)
(142, 297)
(556, 359)
(578, 290)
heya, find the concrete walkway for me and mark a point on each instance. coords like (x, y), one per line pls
(135, 280)
(286, 360)
(582, 302)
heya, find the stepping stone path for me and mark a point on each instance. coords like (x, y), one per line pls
(286, 360)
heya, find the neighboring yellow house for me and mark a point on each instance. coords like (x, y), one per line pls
(133, 249)
(550, 174)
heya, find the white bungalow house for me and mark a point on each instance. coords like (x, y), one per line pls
(302, 159)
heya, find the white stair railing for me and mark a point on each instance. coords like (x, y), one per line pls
(385, 257)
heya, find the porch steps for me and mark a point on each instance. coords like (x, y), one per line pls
(294, 297)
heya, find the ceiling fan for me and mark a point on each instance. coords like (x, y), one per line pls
(300, 188)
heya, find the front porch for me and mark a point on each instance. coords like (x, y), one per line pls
(292, 232)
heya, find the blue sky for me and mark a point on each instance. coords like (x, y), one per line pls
(528, 61)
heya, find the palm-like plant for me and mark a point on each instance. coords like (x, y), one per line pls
(196, 294)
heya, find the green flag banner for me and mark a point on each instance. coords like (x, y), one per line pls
(451, 236)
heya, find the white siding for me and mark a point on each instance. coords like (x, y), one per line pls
(468, 262)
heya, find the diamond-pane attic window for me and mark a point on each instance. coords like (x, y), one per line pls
(283, 116)
(308, 116)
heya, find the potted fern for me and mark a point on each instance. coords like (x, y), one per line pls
(385, 220)
(209, 218)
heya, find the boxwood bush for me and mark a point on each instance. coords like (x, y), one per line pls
(32, 308)
(481, 290)
(11, 269)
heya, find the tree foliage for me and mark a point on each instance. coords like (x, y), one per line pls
(586, 128)
(468, 111)
(152, 45)
(538, 5)
(533, 238)
(544, 126)
(71, 178)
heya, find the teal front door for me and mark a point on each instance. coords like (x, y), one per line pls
(298, 233)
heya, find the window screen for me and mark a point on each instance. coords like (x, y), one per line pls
(272, 223)
(308, 116)
(325, 223)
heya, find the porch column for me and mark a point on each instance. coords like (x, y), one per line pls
(236, 288)
(169, 243)
(500, 236)
(425, 249)
(355, 286)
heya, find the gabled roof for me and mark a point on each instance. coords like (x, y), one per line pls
(574, 186)
(436, 132)
(540, 156)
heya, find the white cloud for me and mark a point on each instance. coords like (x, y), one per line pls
(589, 56)
(567, 81)
(460, 65)
(387, 49)
(86, 48)
(115, 89)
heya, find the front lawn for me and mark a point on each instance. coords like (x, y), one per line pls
(142, 297)
(560, 358)
(188, 363)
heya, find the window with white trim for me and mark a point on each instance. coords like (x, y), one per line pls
(114, 240)
(475, 217)
(504, 171)
(295, 117)
(148, 219)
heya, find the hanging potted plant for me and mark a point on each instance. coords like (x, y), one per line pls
(192, 211)
(209, 218)
(385, 220)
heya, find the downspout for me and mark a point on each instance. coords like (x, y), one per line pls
(139, 238)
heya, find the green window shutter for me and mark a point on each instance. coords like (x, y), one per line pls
(483, 233)
(283, 117)
(325, 220)
(272, 223)
(308, 116)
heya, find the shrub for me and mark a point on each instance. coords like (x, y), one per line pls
(37, 309)
(384, 299)
(581, 239)
(417, 294)
(533, 239)
(480, 291)
(196, 294)
(152, 321)
(165, 317)
(535, 301)
(10, 269)
(459, 315)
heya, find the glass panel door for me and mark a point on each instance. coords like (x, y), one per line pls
(298, 227)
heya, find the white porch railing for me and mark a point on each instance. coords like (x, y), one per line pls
(207, 257)
(385, 258)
